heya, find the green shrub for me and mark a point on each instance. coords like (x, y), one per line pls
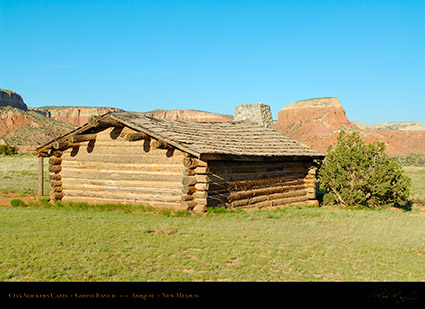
(216, 210)
(8, 150)
(355, 174)
(17, 203)
(166, 212)
(182, 213)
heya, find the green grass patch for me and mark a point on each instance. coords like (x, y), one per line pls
(417, 175)
(64, 243)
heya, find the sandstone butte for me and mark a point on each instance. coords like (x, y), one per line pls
(317, 122)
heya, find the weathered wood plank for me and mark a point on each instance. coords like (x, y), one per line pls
(196, 171)
(242, 184)
(124, 158)
(243, 177)
(116, 169)
(260, 162)
(82, 138)
(104, 122)
(118, 175)
(148, 167)
(275, 199)
(137, 136)
(151, 185)
(193, 162)
(253, 191)
(203, 178)
(267, 192)
(159, 144)
(61, 145)
(118, 195)
(122, 190)
(274, 203)
(256, 168)
(119, 150)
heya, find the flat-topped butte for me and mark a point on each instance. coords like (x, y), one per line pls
(318, 102)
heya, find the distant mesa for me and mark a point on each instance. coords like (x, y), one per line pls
(11, 98)
(317, 102)
(317, 123)
(322, 115)
(404, 126)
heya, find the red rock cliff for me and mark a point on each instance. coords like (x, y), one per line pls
(317, 122)
(11, 98)
(74, 114)
(319, 116)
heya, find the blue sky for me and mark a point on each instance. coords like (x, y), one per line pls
(214, 55)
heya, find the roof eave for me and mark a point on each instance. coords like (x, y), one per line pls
(217, 156)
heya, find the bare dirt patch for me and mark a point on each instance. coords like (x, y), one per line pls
(5, 198)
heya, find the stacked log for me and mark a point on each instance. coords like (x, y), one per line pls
(310, 182)
(248, 184)
(123, 167)
(55, 168)
(194, 168)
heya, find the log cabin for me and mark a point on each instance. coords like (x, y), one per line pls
(126, 157)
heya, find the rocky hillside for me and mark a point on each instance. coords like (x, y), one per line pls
(317, 122)
(27, 128)
(73, 114)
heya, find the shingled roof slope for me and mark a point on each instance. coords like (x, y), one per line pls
(241, 138)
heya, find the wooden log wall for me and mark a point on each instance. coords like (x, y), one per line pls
(118, 166)
(248, 184)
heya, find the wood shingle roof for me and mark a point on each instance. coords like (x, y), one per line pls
(208, 140)
(240, 138)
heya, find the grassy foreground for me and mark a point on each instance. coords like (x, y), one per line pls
(289, 244)
(45, 242)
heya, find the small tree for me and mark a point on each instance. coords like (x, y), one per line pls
(356, 174)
